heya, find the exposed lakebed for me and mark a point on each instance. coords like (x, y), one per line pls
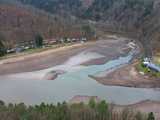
(73, 79)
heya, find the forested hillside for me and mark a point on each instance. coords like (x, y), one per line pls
(20, 23)
(140, 17)
(57, 6)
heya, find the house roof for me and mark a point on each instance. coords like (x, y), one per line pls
(153, 66)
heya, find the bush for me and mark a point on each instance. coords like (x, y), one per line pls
(92, 103)
(2, 49)
(151, 116)
(88, 31)
(140, 67)
(38, 41)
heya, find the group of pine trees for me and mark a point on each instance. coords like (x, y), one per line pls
(100, 9)
(96, 10)
(64, 111)
(56, 6)
(2, 46)
(38, 41)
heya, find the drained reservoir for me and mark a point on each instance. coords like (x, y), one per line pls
(33, 88)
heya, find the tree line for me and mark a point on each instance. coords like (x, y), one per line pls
(64, 111)
(38, 43)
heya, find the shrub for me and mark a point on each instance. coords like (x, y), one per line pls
(151, 116)
(38, 41)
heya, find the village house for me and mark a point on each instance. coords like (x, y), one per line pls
(51, 41)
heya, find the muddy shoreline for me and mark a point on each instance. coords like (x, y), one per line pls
(110, 49)
(127, 76)
(145, 106)
(50, 58)
(42, 60)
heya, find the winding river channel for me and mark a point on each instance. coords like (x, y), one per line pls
(75, 81)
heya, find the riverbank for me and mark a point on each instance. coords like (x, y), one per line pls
(15, 57)
(39, 60)
(58, 75)
(127, 76)
(146, 106)
(54, 57)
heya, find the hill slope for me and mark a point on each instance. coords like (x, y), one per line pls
(140, 17)
(20, 23)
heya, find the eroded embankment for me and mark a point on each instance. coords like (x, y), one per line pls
(127, 76)
(51, 58)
